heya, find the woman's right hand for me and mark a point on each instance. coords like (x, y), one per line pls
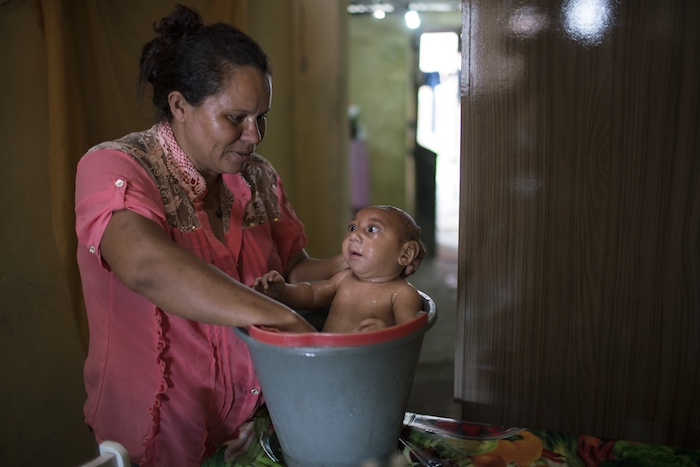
(300, 326)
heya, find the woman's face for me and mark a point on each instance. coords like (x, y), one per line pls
(221, 133)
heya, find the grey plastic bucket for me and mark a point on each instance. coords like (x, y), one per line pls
(339, 406)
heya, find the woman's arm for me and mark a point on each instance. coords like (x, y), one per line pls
(148, 262)
(301, 268)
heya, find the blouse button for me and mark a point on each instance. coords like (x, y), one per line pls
(92, 250)
(255, 391)
(119, 183)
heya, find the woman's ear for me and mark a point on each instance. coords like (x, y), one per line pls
(178, 105)
(409, 252)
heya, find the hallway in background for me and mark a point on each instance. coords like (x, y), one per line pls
(438, 129)
(433, 386)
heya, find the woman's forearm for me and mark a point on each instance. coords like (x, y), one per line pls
(148, 262)
(310, 269)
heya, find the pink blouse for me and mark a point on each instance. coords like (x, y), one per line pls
(169, 389)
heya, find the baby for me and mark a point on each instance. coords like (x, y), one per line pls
(372, 294)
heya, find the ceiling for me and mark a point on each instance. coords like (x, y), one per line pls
(367, 6)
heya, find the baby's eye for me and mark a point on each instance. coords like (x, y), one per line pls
(352, 228)
(372, 228)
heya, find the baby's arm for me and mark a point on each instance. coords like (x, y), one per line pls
(303, 295)
(370, 324)
(407, 304)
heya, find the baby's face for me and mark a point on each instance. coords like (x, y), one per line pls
(372, 246)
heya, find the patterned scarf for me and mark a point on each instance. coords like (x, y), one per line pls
(194, 183)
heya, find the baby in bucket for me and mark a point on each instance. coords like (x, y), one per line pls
(373, 294)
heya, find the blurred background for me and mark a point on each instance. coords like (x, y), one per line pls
(353, 96)
(553, 141)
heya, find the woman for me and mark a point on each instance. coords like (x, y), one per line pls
(174, 223)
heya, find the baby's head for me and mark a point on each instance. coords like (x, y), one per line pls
(381, 241)
(403, 222)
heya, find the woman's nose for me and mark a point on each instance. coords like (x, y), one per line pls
(252, 132)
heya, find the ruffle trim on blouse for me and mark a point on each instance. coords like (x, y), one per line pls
(221, 353)
(162, 345)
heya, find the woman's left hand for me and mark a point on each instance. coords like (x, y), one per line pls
(301, 268)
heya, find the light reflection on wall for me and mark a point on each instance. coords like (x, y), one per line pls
(526, 184)
(527, 22)
(492, 68)
(587, 21)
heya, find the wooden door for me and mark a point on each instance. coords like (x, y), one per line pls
(579, 303)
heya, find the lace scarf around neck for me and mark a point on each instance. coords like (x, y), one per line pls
(178, 162)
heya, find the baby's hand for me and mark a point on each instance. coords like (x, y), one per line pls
(370, 324)
(271, 284)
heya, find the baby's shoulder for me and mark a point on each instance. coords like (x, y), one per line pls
(339, 277)
(406, 286)
(407, 291)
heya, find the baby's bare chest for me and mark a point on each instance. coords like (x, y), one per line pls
(364, 300)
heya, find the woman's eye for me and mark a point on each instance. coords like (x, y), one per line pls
(235, 118)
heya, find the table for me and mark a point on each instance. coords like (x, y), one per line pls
(444, 442)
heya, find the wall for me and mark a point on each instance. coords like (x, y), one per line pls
(41, 355)
(578, 303)
(308, 126)
(68, 83)
(381, 85)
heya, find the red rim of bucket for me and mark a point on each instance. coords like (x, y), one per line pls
(325, 339)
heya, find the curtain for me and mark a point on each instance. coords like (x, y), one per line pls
(92, 53)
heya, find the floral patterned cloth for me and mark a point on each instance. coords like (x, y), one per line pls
(443, 442)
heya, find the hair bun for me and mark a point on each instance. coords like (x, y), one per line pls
(180, 23)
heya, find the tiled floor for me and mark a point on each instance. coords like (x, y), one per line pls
(433, 386)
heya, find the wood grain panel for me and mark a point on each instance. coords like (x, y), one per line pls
(579, 303)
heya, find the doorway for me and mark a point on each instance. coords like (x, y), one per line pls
(386, 101)
(438, 126)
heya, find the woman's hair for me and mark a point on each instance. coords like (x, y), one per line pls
(195, 59)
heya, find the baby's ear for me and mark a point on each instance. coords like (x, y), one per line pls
(409, 251)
